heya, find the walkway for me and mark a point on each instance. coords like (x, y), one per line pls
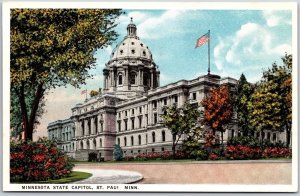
(106, 176)
(202, 172)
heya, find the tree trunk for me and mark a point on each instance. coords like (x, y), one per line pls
(288, 135)
(173, 146)
(28, 124)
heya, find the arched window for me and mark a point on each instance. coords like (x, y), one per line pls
(140, 139)
(100, 143)
(153, 137)
(120, 81)
(163, 135)
(81, 145)
(125, 141)
(94, 143)
(132, 141)
(132, 77)
(88, 144)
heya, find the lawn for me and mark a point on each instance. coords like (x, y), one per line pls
(74, 176)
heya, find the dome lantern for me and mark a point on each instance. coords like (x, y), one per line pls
(131, 29)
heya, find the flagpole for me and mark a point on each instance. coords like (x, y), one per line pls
(208, 52)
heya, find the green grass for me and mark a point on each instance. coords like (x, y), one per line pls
(73, 177)
(134, 161)
(164, 161)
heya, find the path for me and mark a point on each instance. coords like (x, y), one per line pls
(205, 172)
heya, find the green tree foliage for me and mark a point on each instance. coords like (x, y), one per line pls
(54, 47)
(270, 106)
(241, 98)
(182, 120)
(218, 109)
(118, 153)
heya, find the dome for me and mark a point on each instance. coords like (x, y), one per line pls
(131, 47)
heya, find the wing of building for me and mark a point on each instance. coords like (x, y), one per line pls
(128, 111)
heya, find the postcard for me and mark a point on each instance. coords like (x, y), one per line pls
(150, 97)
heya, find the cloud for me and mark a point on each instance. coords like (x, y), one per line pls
(274, 18)
(155, 27)
(252, 44)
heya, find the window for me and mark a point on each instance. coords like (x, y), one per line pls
(121, 52)
(155, 118)
(268, 136)
(163, 134)
(232, 133)
(175, 98)
(140, 121)
(125, 121)
(165, 101)
(101, 127)
(153, 137)
(120, 79)
(139, 151)
(126, 113)
(119, 115)
(94, 143)
(132, 43)
(153, 150)
(162, 149)
(81, 145)
(194, 96)
(125, 141)
(140, 110)
(118, 141)
(132, 123)
(154, 104)
(142, 45)
(132, 141)
(100, 143)
(263, 135)
(132, 78)
(132, 111)
(119, 126)
(144, 53)
(88, 145)
(140, 139)
(132, 51)
(274, 137)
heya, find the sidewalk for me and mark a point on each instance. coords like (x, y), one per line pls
(206, 172)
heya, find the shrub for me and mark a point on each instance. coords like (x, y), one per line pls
(277, 152)
(37, 161)
(240, 152)
(118, 153)
(213, 156)
(244, 141)
(160, 155)
(128, 158)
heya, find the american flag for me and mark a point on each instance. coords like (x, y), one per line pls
(202, 40)
(83, 92)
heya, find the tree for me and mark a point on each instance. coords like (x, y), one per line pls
(270, 104)
(218, 109)
(118, 152)
(181, 121)
(52, 48)
(241, 97)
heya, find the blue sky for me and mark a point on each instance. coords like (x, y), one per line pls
(246, 41)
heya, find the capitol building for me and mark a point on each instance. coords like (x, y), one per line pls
(128, 112)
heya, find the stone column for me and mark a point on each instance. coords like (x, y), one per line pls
(86, 127)
(92, 120)
(125, 78)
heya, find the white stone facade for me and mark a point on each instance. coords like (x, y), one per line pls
(128, 112)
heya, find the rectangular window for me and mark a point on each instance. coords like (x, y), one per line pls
(125, 113)
(140, 110)
(140, 122)
(132, 111)
(125, 121)
(155, 118)
(154, 104)
(194, 96)
(165, 101)
(274, 137)
(132, 123)
(175, 98)
(119, 126)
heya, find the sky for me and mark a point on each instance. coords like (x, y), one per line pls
(241, 41)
